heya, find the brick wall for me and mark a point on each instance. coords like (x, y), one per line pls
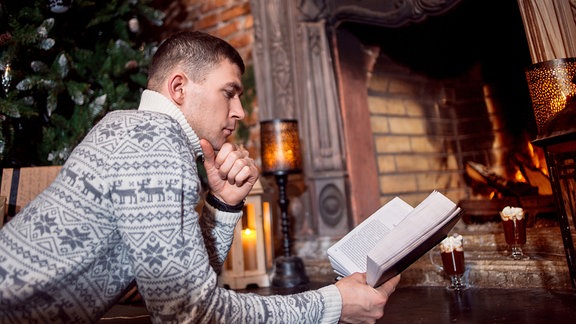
(228, 19)
(424, 130)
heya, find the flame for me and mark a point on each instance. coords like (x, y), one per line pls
(519, 177)
(538, 158)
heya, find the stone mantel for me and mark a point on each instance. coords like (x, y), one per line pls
(394, 13)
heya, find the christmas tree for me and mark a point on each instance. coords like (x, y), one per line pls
(64, 64)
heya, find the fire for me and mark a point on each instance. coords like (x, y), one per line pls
(519, 177)
(538, 158)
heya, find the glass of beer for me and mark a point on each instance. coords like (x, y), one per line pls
(514, 224)
(452, 254)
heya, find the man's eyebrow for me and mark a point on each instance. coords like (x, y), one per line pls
(236, 86)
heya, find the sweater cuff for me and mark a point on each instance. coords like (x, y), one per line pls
(222, 216)
(332, 304)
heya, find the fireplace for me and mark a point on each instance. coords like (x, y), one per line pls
(394, 101)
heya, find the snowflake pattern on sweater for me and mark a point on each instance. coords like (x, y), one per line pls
(121, 209)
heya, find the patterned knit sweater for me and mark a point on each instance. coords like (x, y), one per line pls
(123, 208)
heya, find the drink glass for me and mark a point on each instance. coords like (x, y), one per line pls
(514, 224)
(452, 254)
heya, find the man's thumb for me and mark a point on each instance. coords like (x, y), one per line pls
(209, 154)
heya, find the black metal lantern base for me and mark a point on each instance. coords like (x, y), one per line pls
(289, 269)
(289, 272)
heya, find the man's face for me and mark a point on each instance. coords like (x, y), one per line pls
(213, 107)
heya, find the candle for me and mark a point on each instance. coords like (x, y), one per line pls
(267, 224)
(249, 249)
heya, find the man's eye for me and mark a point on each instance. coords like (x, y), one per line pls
(229, 94)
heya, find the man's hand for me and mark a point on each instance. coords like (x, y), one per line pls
(231, 172)
(362, 303)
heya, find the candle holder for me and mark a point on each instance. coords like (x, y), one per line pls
(250, 258)
(280, 157)
(551, 85)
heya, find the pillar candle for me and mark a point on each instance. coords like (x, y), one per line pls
(249, 249)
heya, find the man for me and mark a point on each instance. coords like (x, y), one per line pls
(123, 209)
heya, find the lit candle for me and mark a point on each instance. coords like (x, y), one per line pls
(249, 249)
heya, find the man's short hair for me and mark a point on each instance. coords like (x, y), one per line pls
(196, 52)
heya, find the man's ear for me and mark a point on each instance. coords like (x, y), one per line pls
(176, 88)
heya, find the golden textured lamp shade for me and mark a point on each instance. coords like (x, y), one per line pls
(551, 85)
(280, 146)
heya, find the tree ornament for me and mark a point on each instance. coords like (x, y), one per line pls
(59, 6)
(131, 65)
(5, 38)
(134, 25)
(6, 77)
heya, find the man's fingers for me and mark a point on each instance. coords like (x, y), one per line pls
(389, 286)
(227, 159)
(244, 174)
(231, 163)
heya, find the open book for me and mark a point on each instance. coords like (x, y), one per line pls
(392, 238)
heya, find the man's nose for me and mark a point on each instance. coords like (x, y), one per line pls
(237, 110)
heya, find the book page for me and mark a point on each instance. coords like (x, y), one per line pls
(349, 254)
